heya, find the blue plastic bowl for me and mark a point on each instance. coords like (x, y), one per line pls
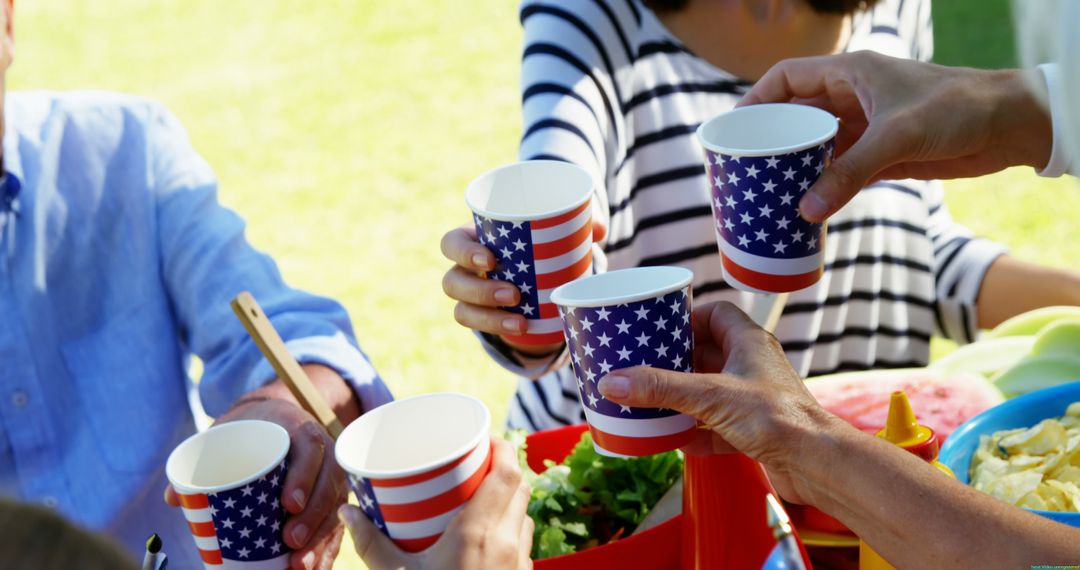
(1021, 412)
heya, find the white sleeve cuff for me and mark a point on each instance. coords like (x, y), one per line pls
(338, 353)
(1059, 163)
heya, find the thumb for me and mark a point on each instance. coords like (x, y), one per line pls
(371, 544)
(647, 387)
(849, 173)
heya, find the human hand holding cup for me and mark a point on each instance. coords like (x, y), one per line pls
(760, 160)
(621, 319)
(228, 480)
(535, 218)
(414, 463)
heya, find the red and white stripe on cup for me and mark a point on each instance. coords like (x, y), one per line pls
(748, 272)
(415, 510)
(197, 512)
(634, 437)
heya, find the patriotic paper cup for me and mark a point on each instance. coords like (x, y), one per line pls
(535, 216)
(759, 161)
(621, 319)
(414, 463)
(229, 479)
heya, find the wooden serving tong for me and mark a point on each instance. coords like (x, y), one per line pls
(268, 340)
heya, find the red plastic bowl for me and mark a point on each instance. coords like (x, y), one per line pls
(723, 526)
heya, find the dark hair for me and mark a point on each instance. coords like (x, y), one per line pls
(825, 6)
(36, 537)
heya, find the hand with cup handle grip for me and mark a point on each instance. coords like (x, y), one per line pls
(478, 299)
(491, 532)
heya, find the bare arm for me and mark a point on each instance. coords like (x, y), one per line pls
(917, 517)
(1012, 287)
(749, 399)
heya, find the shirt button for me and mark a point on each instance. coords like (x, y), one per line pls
(50, 502)
(19, 398)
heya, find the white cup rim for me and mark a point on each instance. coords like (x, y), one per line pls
(272, 428)
(539, 215)
(814, 141)
(672, 278)
(344, 440)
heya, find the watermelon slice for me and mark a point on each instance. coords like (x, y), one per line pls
(941, 401)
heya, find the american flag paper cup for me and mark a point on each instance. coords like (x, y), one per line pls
(536, 217)
(414, 463)
(626, 318)
(229, 479)
(759, 161)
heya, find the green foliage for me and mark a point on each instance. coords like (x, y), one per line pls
(974, 33)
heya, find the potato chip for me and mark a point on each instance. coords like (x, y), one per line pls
(1032, 501)
(1035, 468)
(1067, 474)
(1012, 487)
(1044, 437)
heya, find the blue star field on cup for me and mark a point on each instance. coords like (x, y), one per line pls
(655, 332)
(365, 496)
(249, 520)
(510, 242)
(537, 256)
(755, 201)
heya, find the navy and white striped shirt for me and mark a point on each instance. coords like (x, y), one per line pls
(607, 86)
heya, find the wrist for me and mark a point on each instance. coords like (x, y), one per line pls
(1021, 123)
(819, 445)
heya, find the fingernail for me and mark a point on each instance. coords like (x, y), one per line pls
(308, 560)
(813, 208)
(505, 296)
(511, 325)
(615, 387)
(299, 534)
(479, 260)
(298, 496)
(343, 514)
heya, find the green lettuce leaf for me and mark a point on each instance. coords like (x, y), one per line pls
(590, 498)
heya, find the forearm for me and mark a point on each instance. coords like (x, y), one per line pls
(914, 515)
(1011, 287)
(333, 388)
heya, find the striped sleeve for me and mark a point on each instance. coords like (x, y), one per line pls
(922, 35)
(572, 103)
(572, 111)
(960, 261)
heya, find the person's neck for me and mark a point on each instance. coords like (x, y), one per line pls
(747, 37)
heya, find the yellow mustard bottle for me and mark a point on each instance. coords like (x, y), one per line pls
(902, 428)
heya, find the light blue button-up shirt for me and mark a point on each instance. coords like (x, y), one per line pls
(116, 264)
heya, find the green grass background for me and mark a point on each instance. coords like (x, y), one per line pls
(345, 132)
